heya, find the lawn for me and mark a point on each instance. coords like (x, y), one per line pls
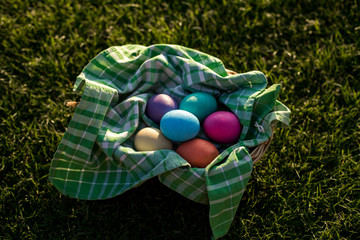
(307, 185)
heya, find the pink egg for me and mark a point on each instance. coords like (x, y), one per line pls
(222, 127)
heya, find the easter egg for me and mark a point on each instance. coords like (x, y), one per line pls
(179, 125)
(198, 152)
(158, 105)
(151, 139)
(222, 127)
(200, 104)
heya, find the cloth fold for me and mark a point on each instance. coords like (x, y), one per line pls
(96, 158)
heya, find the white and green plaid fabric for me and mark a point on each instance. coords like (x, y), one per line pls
(96, 158)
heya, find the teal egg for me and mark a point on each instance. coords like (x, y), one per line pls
(200, 104)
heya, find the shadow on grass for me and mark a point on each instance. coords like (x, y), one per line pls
(151, 211)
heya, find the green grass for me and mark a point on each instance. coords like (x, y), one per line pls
(307, 186)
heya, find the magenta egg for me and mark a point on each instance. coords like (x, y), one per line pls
(222, 127)
(158, 105)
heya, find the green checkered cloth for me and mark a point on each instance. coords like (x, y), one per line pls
(96, 158)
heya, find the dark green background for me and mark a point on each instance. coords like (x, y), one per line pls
(305, 187)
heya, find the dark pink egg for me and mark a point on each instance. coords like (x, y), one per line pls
(222, 127)
(158, 105)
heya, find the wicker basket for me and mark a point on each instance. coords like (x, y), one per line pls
(103, 165)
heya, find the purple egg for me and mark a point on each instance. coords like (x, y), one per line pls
(222, 127)
(158, 105)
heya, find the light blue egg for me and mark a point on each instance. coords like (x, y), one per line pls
(179, 125)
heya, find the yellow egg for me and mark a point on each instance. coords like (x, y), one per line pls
(151, 139)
